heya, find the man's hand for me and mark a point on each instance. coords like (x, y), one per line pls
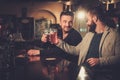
(34, 58)
(33, 52)
(44, 38)
(93, 61)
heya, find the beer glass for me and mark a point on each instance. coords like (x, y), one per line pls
(53, 35)
(46, 33)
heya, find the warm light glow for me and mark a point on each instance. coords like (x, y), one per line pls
(82, 75)
(68, 3)
(81, 14)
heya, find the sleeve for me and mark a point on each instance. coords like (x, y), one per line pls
(74, 50)
(114, 55)
(68, 48)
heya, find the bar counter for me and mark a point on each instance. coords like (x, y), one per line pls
(37, 68)
(15, 64)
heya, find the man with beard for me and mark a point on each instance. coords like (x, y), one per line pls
(99, 51)
(68, 34)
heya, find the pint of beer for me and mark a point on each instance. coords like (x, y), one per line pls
(53, 35)
(45, 36)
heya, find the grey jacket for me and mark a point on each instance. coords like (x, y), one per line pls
(109, 49)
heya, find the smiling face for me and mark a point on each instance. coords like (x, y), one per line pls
(66, 22)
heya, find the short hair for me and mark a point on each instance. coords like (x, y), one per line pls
(102, 15)
(67, 13)
(99, 12)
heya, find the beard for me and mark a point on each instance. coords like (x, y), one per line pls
(92, 27)
(66, 30)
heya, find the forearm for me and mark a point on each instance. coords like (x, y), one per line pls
(66, 47)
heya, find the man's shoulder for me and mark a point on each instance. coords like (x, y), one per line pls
(114, 31)
(74, 31)
(89, 33)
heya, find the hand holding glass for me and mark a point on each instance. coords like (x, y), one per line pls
(49, 35)
(53, 36)
(45, 36)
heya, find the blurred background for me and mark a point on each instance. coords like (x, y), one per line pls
(22, 23)
(34, 15)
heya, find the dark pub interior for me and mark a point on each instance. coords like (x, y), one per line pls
(22, 23)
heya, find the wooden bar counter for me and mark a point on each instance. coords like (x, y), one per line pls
(37, 68)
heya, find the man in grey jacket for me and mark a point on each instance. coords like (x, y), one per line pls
(99, 51)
